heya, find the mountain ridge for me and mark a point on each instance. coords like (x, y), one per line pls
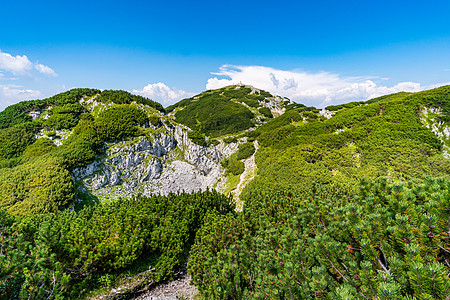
(67, 118)
(337, 202)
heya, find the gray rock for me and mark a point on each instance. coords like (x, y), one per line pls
(154, 167)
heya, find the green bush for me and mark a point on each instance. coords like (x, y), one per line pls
(14, 140)
(229, 140)
(66, 116)
(197, 138)
(82, 145)
(236, 167)
(154, 120)
(18, 113)
(123, 97)
(67, 254)
(40, 147)
(265, 111)
(327, 242)
(214, 114)
(346, 105)
(383, 137)
(118, 122)
(39, 185)
(251, 102)
(245, 151)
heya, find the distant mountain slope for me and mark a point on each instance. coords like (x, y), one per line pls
(100, 145)
(334, 203)
(90, 143)
(228, 110)
(402, 136)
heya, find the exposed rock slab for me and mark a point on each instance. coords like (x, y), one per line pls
(166, 163)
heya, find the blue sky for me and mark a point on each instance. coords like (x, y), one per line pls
(315, 52)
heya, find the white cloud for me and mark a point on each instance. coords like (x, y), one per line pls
(17, 92)
(18, 65)
(317, 89)
(162, 93)
(21, 65)
(10, 94)
(45, 70)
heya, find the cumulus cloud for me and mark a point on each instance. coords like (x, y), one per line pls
(21, 65)
(162, 93)
(45, 70)
(17, 92)
(10, 94)
(317, 89)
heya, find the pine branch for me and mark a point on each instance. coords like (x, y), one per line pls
(383, 266)
(444, 249)
(342, 275)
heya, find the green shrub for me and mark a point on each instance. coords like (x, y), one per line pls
(40, 147)
(214, 114)
(229, 140)
(65, 255)
(326, 242)
(118, 122)
(245, 151)
(383, 137)
(71, 96)
(346, 105)
(39, 185)
(66, 116)
(236, 168)
(123, 97)
(154, 120)
(14, 140)
(18, 113)
(265, 111)
(197, 137)
(251, 102)
(265, 94)
(82, 145)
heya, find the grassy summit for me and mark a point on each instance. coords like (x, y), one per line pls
(223, 111)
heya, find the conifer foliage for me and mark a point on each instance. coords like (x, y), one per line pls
(390, 241)
(65, 254)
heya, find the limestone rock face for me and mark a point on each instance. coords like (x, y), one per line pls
(167, 162)
(440, 129)
(276, 105)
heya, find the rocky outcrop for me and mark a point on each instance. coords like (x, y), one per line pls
(326, 113)
(165, 163)
(276, 104)
(429, 118)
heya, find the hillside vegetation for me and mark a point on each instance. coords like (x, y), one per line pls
(223, 111)
(350, 202)
(69, 254)
(386, 241)
(312, 228)
(384, 136)
(34, 173)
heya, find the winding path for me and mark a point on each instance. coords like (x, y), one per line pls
(247, 176)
